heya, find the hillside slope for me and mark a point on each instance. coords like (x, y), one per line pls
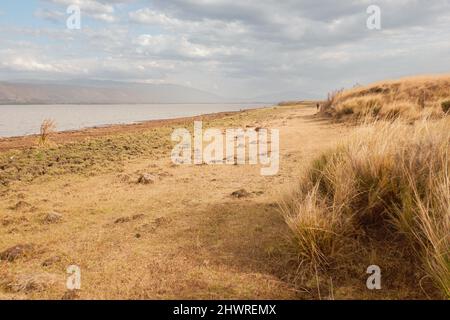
(408, 98)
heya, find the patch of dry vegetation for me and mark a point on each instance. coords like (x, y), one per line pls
(383, 193)
(84, 157)
(410, 98)
(294, 103)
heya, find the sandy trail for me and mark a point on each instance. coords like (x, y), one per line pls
(183, 237)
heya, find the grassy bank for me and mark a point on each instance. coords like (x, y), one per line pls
(383, 195)
(408, 99)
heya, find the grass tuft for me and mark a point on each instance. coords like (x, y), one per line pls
(47, 127)
(389, 182)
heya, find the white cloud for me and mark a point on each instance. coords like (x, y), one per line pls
(179, 46)
(90, 6)
(151, 17)
(100, 10)
(28, 64)
(51, 15)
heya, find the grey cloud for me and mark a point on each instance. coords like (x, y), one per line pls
(246, 47)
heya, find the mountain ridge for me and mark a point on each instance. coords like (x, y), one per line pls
(100, 92)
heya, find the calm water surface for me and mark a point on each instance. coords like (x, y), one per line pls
(23, 120)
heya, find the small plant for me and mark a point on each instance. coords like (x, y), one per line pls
(47, 127)
(446, 106)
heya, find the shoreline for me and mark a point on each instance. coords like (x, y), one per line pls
(67, 136)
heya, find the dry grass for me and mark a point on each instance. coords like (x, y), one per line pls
(85, 157)
(48, 126)
(26, 283)
(294, 103)
(389, 184)
(409, 98)
(384, 190)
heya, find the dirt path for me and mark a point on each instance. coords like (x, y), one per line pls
(183, 237)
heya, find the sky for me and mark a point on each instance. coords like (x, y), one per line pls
(231, 48)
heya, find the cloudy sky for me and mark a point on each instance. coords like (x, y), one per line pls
(231, 48)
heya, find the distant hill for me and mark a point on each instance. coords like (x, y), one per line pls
(100, 92)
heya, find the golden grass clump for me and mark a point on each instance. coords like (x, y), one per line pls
(390, 180)
(409, 98)
(48, 126)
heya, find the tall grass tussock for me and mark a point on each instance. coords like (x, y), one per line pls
(386, 186)
(48, 126)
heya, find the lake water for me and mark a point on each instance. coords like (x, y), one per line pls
(18, 120)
